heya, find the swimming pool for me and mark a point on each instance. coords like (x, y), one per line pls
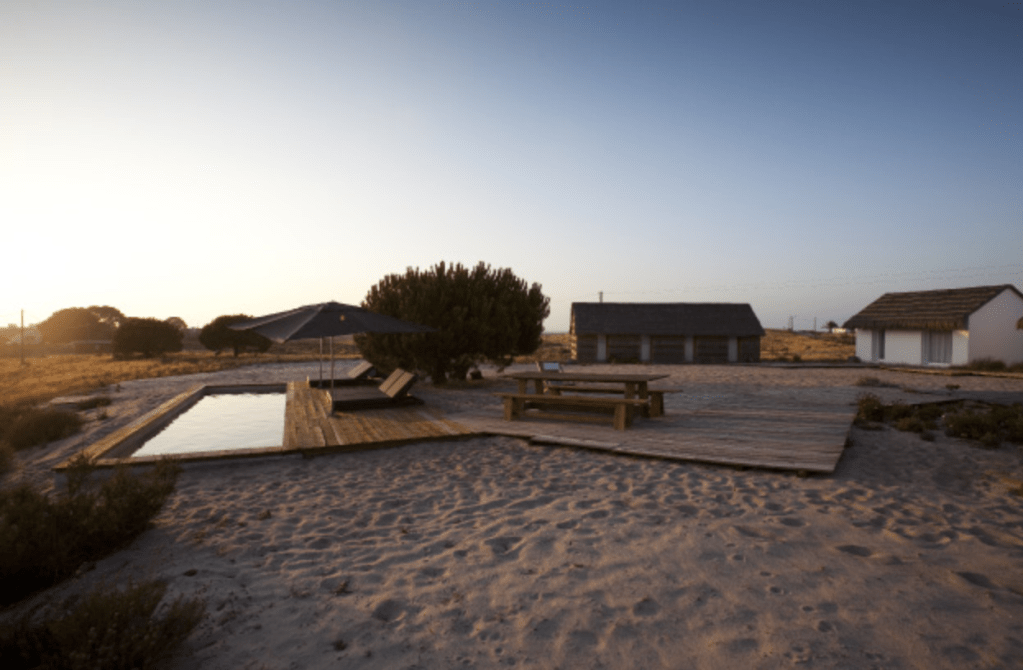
(222, 422)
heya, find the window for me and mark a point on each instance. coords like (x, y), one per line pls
(937, 346)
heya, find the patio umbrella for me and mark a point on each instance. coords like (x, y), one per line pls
(326, 319)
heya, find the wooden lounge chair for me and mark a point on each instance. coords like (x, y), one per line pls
(393, 392)
(363, 374)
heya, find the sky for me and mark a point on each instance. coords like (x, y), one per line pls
(195, 159)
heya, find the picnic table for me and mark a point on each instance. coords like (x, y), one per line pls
(634, 387)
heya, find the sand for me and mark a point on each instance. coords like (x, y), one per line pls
(491, 552)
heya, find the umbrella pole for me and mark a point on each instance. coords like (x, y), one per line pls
(321, 362)
(331, 362)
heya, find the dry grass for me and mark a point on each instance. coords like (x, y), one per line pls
(46, 378)
(782, 345)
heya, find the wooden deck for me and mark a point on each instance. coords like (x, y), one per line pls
(751, 430)
(310, 427)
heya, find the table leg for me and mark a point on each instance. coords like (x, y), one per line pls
(538, 386)
(522, 385)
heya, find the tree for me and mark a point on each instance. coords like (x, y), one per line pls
(831, 325)
(177, 322)
(72, 324)
(148, 337)
(111, 317)
(216, 336)
(81, 323)
(480, 314)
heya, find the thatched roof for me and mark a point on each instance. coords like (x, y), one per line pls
(944, 309)
(670, 318)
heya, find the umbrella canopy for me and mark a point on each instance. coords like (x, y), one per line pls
(327, 319)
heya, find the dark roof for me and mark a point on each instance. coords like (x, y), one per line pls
(665, 318)
(944, 309)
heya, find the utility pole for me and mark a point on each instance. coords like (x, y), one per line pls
(601, 296)
(23, 337)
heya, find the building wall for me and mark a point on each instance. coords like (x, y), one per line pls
(864, 351)
(749, 349)
(644, 348)
(993, 332)
(733, 349)
(667, 349)
(903, 346)
(709, 349)
(690, 349)
(623, 348)
(960, 347)
(584, 348)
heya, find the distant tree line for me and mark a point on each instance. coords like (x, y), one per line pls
(144, 336)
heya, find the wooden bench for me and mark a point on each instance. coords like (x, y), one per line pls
(655, 408)
(515, 405)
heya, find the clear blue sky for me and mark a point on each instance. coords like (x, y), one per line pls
(194, 159)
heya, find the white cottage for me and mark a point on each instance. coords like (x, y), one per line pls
(944, 327)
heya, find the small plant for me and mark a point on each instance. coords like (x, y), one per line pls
(897, 411)
(107, 628)
(6, 458)
(987, 365)
(872, 382)
(93, 403)
(870, 408)
(911, 424)
(45, 539)
(28, 426)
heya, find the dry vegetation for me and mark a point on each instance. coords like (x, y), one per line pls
(43, 379)
(784, 345)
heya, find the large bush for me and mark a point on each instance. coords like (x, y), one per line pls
(149, 337)
(217, 336)
(480, 314)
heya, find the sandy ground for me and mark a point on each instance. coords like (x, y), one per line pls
(490, 552)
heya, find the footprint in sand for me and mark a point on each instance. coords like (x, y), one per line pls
(977, 579)
(502, 545)
(855, 550)
(646, 607)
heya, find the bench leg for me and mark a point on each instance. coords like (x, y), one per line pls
(656, 403)
(623, 417)
(512, 409)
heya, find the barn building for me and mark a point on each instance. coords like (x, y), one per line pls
(945, 327)
(664, 332)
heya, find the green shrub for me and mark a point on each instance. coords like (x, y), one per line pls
(46, 539)
(870, 408)
(108, 628)
(967, 424)
(29, 426)
(480, 313)
(898, 410)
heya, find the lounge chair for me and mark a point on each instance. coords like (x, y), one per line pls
(393, 392)
(363, 374)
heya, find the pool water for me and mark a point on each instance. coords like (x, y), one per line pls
(222, 422)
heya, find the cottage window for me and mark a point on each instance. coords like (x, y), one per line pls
(937, 346)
